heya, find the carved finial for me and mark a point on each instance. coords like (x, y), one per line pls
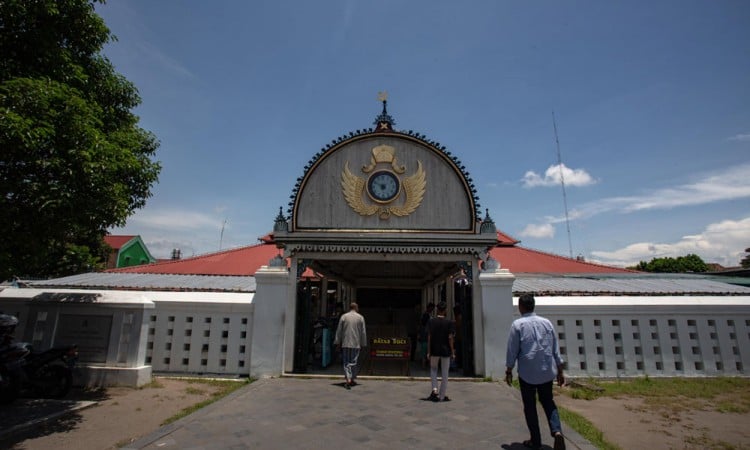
(491, 264)
(384, 122)
(277, 261)
(488, 225)
(280, 224)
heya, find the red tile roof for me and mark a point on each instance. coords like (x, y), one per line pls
(116, 241)
(237, 261)
(523, 260)
(505, 239)
(247, 261)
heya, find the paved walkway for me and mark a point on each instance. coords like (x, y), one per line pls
(319, 413)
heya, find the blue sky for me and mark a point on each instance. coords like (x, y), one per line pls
(651, 100)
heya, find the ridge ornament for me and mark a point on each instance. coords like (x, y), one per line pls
(383, 186)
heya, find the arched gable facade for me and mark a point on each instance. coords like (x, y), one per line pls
(391, 220)
(384, 182)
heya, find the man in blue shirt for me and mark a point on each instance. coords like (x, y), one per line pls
(533, 343)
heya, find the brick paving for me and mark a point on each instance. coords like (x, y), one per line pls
(314, 413)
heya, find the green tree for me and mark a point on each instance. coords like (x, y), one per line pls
(74, 161)
(681, 264)
(745, 262)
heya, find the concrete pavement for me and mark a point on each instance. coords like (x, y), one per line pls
(316, 413)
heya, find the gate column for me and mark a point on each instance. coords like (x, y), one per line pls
(496, 287)
(269, 311)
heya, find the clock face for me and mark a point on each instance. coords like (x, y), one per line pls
(383, 186)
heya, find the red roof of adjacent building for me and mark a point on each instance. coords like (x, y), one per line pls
(247, 260)
(116, 241)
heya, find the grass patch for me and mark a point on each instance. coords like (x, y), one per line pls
(221, 388)
(585, 429)
(723, 394)
(194, 391)
(154, 384)
(733, 406)
(694, 388)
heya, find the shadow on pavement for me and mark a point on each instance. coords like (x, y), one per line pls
(28, 418)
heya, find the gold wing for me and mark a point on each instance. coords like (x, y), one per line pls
(413, 187)
(353, 186)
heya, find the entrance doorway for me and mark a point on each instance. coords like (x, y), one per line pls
(394, 312)
(390, 313)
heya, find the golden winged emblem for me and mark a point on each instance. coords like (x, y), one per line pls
(379, 192)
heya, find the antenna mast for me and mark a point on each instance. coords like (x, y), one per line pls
(221, 236)
(562, 182)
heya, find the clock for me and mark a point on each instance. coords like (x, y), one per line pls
(383, 186)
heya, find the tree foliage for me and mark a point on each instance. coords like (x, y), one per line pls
(681, 264)
(745, 262)
(74, 161)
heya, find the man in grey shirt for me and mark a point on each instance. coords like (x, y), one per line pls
(350, 338)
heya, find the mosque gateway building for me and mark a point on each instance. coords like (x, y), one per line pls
(391, 220)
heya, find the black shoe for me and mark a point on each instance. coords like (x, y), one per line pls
(445, 399)
(433, 397)
(559, 442)
(347, 386)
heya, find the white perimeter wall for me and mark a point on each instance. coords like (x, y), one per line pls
(210, 333)
(654, 336)
(196, 332)
(599, 336)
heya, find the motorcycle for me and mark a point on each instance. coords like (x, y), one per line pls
(23, 371)
(12, 355)
(49, 373)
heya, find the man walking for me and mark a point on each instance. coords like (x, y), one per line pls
(440, 349)
(533, 343)
(424, 322)
(350, 338)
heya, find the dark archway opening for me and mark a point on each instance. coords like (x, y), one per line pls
(392, 305)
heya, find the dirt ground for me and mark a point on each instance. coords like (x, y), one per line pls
(121, 416)
(633, 423)
(124, 414)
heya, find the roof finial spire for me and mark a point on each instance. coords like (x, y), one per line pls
(384, 122)
(280, 224)
(488, 225)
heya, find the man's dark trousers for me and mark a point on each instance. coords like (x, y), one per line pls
(528, 394)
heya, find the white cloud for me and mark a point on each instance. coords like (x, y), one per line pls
(163, 60)
(722, 242)
(740, 137)
(175, 219)
(190, 231)
(730, 184)
(572, 177)
(538, 231)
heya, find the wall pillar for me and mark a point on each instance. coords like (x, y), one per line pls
(269, 321)
(496, 293)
